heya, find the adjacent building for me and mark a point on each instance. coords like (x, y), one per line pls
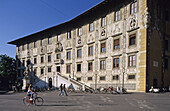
(115, 43)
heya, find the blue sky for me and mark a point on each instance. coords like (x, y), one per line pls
(19, 18)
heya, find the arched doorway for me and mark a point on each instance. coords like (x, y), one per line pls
(50, 82)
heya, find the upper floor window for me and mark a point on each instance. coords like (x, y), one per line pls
(167, 15)
(117, 15)
(90, 51)
(35, 60)
(90, 66)
(69, 55)
(78, 53)
(18, 48)
(79, 67)
(115, 62)
(49, 40)
(69, 35)
(42, 59)
(79, 31)
(49, 58)
(103, 21)
(58, 56)
(42, 70)
(28, 46)
(166, 63)
(58, 38)
(131, 77)
(41, 42)
(68, 68)
(132, 39)
(103, 47)
(35, 71)
(132, 60)
(91, 27)
(102, 64)
(133, 7)
(116, 44)
(90, 78)
(35, 44)
(49, 69)
(23, 47)
(166, 45)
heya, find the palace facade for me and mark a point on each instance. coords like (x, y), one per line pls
(115, 43)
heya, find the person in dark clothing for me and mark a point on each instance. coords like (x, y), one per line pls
(61, 89)
(64, 88)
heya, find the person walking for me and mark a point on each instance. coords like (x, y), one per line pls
(61, 89)
(64, 88)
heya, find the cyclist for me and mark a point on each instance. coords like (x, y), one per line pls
(30, 92)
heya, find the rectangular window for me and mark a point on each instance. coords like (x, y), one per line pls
(42, 59)
(68, 68)
(166, 45)
(58, 56)
(90, 66)
(35, 44)
(131, 77)
(41, 42)
(79, 79)
(166, 63)
(132, 39)
(49, 40)
(91, 27)
(69, 55)
(78, 53)
(90, 51)
(22, 47)
(132, 61)
(28, 46)
(42, 70)
(117, 15)
(102, 78)
(116, 77)
(90, 78)
(49, 58)
(78, 67)
(133, 8)
(69, 35)
(103, 21)
(18, 48)
(102, 65)
(116, 44)
(49, 69)
(167, 15)
(58, 38)
(35, 71)
(23, 63)
(79, 31)
(115, 62)
(35, 60)
(103, 47)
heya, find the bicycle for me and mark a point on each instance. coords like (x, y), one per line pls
(38, 101)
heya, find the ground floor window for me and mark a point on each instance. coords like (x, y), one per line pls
(102, 78)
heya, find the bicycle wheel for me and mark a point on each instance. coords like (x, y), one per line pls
(26, 101)
(39, 101)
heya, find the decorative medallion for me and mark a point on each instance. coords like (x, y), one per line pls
(133, 22)
(103, 32)
(79, 40)
(59, 47)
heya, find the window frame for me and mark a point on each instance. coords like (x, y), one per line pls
(68, 34)
(116, 62)
(90, 66)
(102, 64)
(68, 57)
(116, 47)
(133, 7)
(132, 39)
(78, 67)
(103, 49)
(131, 61)
(102, 78)
(68, 68)
(103, 21)
(91, 27)
(90, 50)
(80, 31)
(49, 58)
(117, 16)
(79, 53)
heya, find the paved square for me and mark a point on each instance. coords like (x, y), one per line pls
(89, 102)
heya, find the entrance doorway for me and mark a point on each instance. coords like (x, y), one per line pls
(50, 82)
(58, 68)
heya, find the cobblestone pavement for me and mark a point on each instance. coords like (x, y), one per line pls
(89, 102)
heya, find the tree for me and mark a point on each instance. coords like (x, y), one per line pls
(7, 71)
